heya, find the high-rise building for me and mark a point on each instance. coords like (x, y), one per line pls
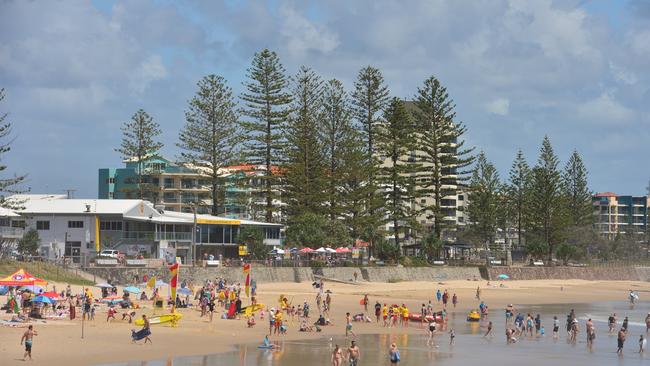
(616, 214)
(180, 187)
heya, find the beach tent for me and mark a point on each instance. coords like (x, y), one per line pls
(22, 278)
(52, 295)
(104, 285)
(330, 250)
(306, 250)
(321, 250)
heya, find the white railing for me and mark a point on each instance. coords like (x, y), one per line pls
(173, 236)
(11, 232)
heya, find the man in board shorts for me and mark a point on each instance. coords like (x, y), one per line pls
(28, 337)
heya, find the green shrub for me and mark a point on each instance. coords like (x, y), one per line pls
(394, 280)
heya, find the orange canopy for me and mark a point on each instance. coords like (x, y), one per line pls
(21, 278)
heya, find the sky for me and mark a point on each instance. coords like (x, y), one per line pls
(577, 71)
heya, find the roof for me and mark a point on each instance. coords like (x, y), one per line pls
(79, 206)
(25, 197)
(606, 194)
(5, 212)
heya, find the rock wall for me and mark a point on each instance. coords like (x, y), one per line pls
(125, 276)
(566, 273)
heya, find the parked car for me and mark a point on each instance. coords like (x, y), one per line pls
(111, 253)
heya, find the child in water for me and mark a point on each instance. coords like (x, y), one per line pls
(452, 335)
(541, 331)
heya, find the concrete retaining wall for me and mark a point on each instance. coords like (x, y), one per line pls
(567, 273)
(124, 276)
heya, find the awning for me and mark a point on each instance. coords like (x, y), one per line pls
(22, 278)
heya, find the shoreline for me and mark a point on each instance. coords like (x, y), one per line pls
(110, 343)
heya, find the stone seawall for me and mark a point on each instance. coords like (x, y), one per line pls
(123, 276)
(567, 273)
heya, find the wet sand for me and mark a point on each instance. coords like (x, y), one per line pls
(59, 342)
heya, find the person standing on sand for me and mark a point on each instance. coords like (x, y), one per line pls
(147, 328)
(348, 326)
(28, 338)
(365, 303)
(478, 293)
(337, 356)
(394, 355)
(384, 313)
(354, 354)
(438, 295)
(454, 300)
(621, 341)
(377, 311)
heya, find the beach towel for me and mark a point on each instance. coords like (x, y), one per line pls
(140, 334)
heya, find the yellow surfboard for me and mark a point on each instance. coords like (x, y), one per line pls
(249, 310)
(165, 318)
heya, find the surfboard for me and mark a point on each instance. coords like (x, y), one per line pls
(166, 318)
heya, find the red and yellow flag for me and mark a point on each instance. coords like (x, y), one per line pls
(247, 283)
(173, 282)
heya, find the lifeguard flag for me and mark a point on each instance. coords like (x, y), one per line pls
(152, 282)
(173, 282)
(247, 272)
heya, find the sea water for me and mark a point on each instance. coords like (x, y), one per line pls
(470, 347)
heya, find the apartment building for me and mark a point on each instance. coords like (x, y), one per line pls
(181, 188)
(617, 214)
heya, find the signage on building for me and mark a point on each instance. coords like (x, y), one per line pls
(355, 253)
(243, 250)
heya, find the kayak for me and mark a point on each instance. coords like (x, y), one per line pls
(417, 317)
(473, 316)
(166, 318)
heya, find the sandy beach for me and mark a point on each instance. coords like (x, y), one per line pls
(59, 341)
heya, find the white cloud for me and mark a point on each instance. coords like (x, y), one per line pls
(499, 106)
(302, 35)
(150, 70)
(605, 109)
(622, 75)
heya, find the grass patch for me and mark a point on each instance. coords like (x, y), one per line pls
(44, 270)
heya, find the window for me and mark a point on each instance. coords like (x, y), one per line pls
(18, 223)
(110, 225)
(110, 180)
(42, 225)
(75, 224)
(460, 197)
(169, 182)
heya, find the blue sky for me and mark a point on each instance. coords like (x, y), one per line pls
(577, 71)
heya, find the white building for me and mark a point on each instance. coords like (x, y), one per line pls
(80, 228)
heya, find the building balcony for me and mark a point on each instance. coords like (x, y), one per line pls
(184, 236)
(11, 232)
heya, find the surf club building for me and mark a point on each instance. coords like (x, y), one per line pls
(78, 229)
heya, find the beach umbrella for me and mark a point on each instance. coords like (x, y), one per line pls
(132, 289)
(32, 288)
(342, 250)
(52, 295)
(306, 250)
(4, 290)
(104, 285)
(503, 276)
(43, 299)
(184, 291)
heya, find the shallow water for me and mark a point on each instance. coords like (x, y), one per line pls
(470, 347)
